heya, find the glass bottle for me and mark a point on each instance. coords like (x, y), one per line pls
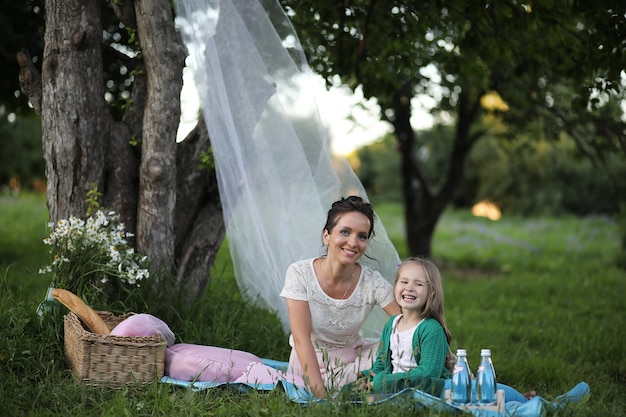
(49, 305)
(486, 379)
(461, 385)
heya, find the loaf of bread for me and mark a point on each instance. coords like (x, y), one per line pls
(89, 316)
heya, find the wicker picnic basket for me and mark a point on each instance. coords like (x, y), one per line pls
(112, 360)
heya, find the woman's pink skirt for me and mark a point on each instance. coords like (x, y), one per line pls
(340, 366)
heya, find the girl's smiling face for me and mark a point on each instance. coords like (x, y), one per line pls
(348, 239)
(411, 288)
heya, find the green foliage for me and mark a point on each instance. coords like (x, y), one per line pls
(132, 37)
(21, 154)
(207, 160)
(378, 167)
(530, 175)
(543, 293)
(93, 199)
(126, 103)
(135, 140)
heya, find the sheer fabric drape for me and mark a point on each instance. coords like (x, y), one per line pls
(276, 175)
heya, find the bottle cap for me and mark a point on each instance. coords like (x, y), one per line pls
(485, 352)
(461, 352)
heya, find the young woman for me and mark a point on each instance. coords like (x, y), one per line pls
(330, 297)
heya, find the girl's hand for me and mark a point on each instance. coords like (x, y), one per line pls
(365, 382)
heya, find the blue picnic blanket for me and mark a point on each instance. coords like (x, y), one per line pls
(298, 394)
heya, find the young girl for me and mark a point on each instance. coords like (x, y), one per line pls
(414, 346)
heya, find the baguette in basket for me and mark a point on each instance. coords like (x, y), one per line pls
(88, 316)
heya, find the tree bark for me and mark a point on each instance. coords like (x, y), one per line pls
(74, 118)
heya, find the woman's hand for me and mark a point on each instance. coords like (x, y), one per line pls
(300, 322)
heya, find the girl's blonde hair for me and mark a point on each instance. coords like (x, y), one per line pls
(434, 304)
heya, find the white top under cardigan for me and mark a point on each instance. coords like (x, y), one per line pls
(401, 347)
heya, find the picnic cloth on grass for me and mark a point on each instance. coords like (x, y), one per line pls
(298, 394)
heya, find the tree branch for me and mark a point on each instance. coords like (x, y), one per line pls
(125, 11)
(30, 79)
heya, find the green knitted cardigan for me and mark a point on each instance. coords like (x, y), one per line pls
(430, 347)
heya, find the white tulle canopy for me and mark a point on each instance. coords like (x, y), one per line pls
(276, 175)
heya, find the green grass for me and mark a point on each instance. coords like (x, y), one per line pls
(23, 226)
(543, 293)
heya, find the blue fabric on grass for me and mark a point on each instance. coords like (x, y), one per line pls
(532, 408)
(510, 394)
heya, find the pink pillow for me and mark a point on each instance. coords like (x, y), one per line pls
(144, 325)
(188, 362)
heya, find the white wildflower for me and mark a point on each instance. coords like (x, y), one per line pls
(86, 254)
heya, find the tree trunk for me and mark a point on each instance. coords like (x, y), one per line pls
(199, 221)
(158, 188)
(164, 56)
(423, 206)
(74, 119)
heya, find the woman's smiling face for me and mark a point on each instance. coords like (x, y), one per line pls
(348, 239)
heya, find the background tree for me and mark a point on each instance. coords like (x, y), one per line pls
(110, 110)
(457, 52)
